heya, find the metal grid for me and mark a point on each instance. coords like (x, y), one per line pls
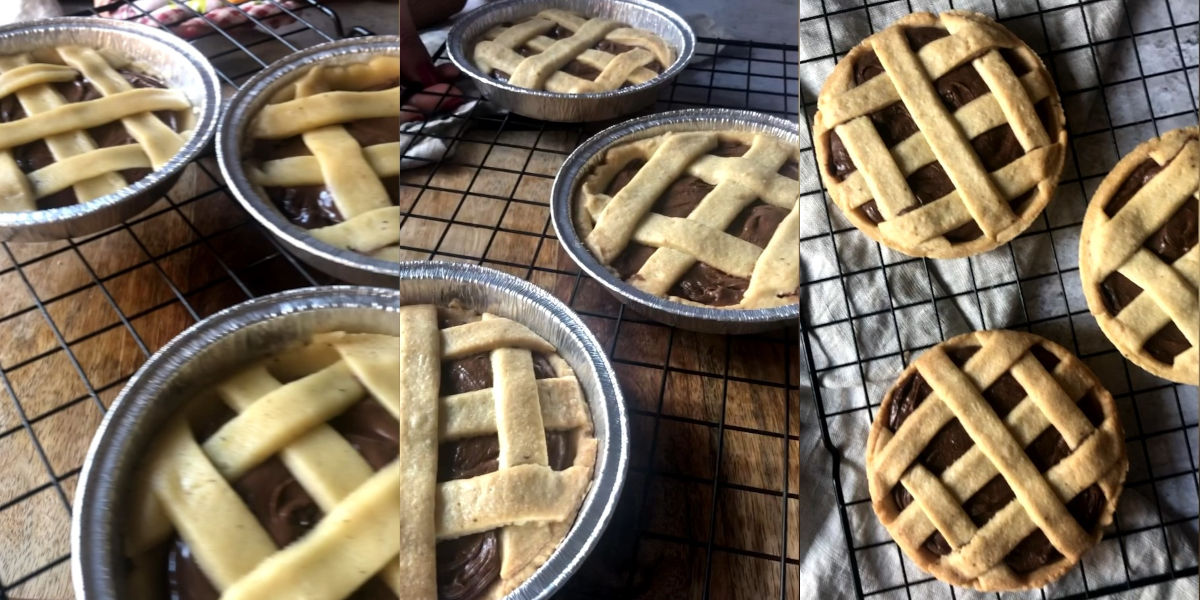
(1121, 81)
(78, 317)
(710, 506)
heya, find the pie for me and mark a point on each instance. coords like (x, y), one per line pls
(77, 124)
(1139, 235)
(940, 136)
(699, 217)
(996, 460)
(326, 149)
(447, 462)
(563, 52)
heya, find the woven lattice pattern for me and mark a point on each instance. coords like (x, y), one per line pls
(940, 136)
(1010, 399)
(584, 55)
(634, 197)
(286, 407)
(47, 115)
(1139, 257)
(318, 108)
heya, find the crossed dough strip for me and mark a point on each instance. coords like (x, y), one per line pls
(979, 196)
(90, 171)
(316, 107)
(609, 223)
(1115, 245)
(341, 369)
(540, 71)
(977, 559)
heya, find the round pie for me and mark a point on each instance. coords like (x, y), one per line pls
(1138, 258)
(564, 52)
(996, 460)
(447, 462)
(940, 136)
(699, 217)
(77, 124)
(326, 149)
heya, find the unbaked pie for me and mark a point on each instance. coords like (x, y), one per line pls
(448, 462)
(560, 51)
(1139, 262)
(996, 460)
(700, 217)
(941, 136)
(326, 149)
(77, 124)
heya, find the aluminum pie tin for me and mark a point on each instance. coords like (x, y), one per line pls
(170, 59)
(225, 341)
(586, 157)
(551, 106)
(341, 263)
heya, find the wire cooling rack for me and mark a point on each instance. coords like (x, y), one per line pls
(710, 506)
(78, 317)
(1127, 71)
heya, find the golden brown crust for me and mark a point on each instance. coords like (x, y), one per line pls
(1108, 245)
(844, 106)
(977, 557)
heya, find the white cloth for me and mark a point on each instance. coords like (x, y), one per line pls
(14, 11)
(892, 311)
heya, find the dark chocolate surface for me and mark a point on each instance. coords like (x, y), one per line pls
(36, 155)
(952, 441)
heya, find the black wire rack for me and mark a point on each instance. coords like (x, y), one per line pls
(1121, 69)
(710, 506)
(78, 317)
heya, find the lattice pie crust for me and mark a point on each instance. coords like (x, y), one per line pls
(1139, 260)
(940, 136)
(382, 523)
(985, 451)
(91, 171)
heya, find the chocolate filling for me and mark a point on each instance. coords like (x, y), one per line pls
(1166, 344)
(312, 206)
(36, 155)
(1178, 235)
(952, 441)
(702, 283)
(1141, 175)
(576, 67)
(467, 566)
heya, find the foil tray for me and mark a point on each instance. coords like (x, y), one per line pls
(229, 339)
(551, 106)
(172, 60)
